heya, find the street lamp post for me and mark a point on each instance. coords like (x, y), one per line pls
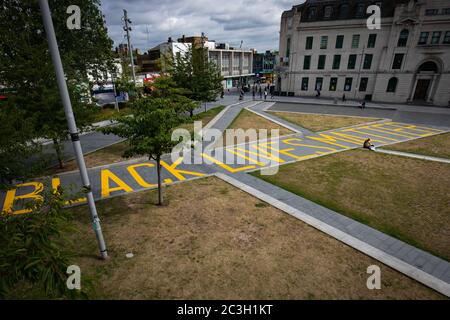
(127, 29)
(62, 85)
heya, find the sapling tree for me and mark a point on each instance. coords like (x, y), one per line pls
(149, 131)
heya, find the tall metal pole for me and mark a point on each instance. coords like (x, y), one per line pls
(127, 30)
(54, 51)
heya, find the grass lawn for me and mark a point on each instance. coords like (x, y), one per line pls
(435, 146)
(321, 122)
(248, 120)
(213, 241)
(406, 198)
(108, 113)
(113, 153)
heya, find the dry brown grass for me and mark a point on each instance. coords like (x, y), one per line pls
(435, 146)
(248, 120)
(110, 154)
(213, 241)
(321, 122)
(407, 198)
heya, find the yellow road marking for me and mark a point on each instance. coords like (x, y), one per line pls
(107, 175)
(178, 172)
(224, 166)
(132, 170)
(11, 197)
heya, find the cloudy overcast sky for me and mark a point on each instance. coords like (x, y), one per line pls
(256, 22)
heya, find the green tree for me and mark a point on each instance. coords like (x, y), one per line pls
(34, 249)
(193, 71)
(26, 65)
(149, 131)
(16, 147)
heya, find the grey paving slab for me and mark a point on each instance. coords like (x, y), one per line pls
(261, 110)
(439, 117)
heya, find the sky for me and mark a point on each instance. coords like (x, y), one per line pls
(255, 22)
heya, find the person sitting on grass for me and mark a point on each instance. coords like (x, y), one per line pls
(368, 145)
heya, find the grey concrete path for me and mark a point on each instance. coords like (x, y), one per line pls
(225, 118)
(417, 264)
(260, 109)
(369, 105)
(412, 155)
(425, 117)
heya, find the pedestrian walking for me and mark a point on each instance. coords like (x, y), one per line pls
(363, 105)
(254, 94)
(260, 93)
(343, 98)
(265, 94)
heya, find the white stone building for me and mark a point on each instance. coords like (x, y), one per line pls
(326, 45)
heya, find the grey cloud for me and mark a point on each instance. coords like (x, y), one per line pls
(255, 22)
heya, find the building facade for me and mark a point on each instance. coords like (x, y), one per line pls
(263, 65)
(326, 45)
(236, 64)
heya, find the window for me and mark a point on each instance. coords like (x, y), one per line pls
(431, 12)
(305, 84)
(429, 66)
(343, 11)
(392, 85)
(351, 62)
(360, 10)
(423, 39)
(289, 22)
(372, 40)
(288, 47)
(403, 38)
(363, 84)
(339, 42)
(446, 11)
(447, 38)
(398, 59)
(321, 63)
(436, 37)
(333, 84)
(368, 61)
(328, 12)
(312, 13)
(323, 42)
(336, 61)
(319, 82)
(307, 63)
(355, 41)
(309, 43)
(348, 84)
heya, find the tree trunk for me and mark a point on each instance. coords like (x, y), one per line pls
(158, 170)
(57, 147)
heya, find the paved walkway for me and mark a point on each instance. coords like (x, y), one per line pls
(369, 105)
(260, 109)
(426, 116)
(413, 155)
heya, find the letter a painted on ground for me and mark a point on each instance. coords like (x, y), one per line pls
(106, 176)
